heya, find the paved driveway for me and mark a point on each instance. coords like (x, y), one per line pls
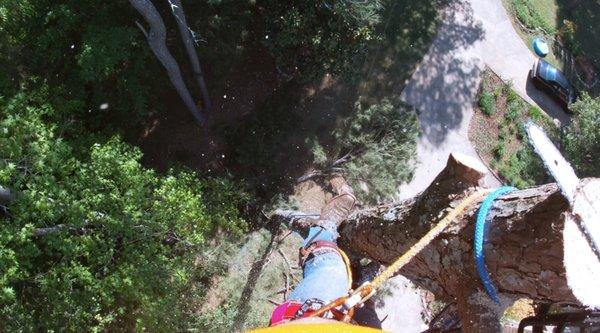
(473, 34)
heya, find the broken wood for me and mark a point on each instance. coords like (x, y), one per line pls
(524, 251)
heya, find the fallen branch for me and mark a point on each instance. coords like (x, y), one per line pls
(331, 169)
(273, 302)
(187, 36)
(287, 263)
(156, 37)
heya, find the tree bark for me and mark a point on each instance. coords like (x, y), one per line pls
(524, 250)
(156, 37)
(184, 31)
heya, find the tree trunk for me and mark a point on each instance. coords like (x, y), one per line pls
(177, 9)
(156, 37)
(524, 250)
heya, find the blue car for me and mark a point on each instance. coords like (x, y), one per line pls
(553, 81)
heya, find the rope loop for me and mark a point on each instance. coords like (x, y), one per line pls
(478, 240)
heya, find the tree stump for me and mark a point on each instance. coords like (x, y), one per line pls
(524, 251)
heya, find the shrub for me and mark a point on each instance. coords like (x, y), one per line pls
(529, 16)
(487, 103)
(382, 138)
(125, 239)
(582, 137)
(535, 113)
(522, 169)
(567, 36)
(332, 46)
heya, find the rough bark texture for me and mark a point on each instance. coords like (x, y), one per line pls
(184, 31)
(156, 37)
(524, 249)
(524, 252)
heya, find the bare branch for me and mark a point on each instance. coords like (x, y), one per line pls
(157, 36)
(139, 25)
(188, 41)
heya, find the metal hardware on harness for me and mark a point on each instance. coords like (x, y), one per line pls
(311, 305)
(359, 296)
(368, 289)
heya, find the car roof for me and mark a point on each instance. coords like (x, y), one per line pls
(550, 73)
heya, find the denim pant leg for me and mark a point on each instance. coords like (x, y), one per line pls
(325, 276)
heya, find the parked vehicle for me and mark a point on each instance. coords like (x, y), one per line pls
(547, 77)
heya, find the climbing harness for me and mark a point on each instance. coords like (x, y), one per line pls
(357, 297)
(305, 254)
(478, 239)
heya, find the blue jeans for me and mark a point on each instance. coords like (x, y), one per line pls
(324, 276)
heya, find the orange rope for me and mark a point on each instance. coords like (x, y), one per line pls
(368, 289)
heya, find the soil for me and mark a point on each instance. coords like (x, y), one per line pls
(173, 137)
(484, 130)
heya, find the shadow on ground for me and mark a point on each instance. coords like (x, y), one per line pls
(270, 147)
(448, 77)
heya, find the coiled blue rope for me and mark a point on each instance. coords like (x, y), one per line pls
(480, 231)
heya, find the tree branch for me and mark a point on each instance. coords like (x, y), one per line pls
(186, 36)
(526, 253)
(157, 36)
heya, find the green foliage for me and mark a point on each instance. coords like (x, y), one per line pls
(129, 237)
(535, 113)
(515, 106)
(487, 103)
(567, 33)
(317, 150)
(381, 140)
(510, 154)
(582, 137)
(523, 169)
(332, 46)
(83, 51)
(530, 17)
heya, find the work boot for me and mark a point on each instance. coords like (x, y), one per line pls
(337, 209)
(339, 185)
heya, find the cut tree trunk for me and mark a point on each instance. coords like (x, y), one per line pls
(157, 36)
(186, 36)
(524, 252)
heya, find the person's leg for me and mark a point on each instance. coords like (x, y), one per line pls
(325, 275)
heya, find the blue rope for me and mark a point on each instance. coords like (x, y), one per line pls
(480, 231)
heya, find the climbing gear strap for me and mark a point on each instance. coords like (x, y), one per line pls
(321, 247)
(367, 290)
(315, 248)
(292, 310)
(479, 238)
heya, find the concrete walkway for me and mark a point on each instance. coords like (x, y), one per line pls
(473, 34)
